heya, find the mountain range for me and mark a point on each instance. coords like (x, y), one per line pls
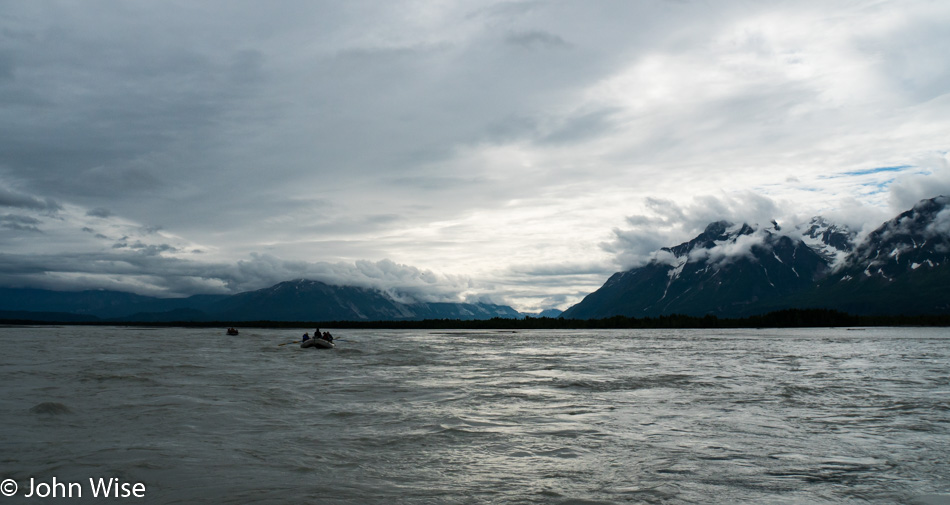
(298, 300)
(728, 270)
(738, 270)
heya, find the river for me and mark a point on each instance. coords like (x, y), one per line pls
(463, 417)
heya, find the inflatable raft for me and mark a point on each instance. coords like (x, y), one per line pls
(318, 343)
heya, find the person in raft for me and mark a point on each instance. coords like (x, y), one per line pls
(327, 336)
(305, 337)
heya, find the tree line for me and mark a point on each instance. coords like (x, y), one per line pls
(789, 318)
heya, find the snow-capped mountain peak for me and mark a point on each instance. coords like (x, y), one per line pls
(832, 241)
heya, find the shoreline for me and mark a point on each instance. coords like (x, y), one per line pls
(791, 318)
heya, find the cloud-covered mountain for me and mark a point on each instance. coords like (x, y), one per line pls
(739, 270)
(901, 267)
(307, 300)
(299, 300)
(728, 269)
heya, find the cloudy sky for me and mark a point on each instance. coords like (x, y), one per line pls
(515, 151)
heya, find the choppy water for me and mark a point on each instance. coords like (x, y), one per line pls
(649, 416)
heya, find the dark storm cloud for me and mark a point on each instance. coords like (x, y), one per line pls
(147, 249)
(65, 271)
(14, 199)
(94, 233)
(99, 212)
(150, 229)
(119, 101)
(19, 223)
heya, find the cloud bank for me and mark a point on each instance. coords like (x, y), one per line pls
(491, 140)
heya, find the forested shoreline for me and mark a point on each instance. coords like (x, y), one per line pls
(790, 318)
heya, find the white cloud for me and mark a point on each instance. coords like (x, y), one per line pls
(727, 251)
(667, 223)
(941, 225)
(931, 178)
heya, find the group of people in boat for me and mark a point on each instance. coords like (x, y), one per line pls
(316, 334)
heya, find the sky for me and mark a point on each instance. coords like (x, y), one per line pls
(517, 152)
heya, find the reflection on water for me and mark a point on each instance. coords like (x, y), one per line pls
(646, 416)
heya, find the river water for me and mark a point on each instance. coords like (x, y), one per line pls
(624, 416)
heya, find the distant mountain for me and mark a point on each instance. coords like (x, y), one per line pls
(306, 300)
(739, 270)
(300, 300)
(60, 317)
(551, 313)
(98, 303)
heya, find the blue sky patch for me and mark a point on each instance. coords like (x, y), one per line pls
(877, 170)
(878, 186)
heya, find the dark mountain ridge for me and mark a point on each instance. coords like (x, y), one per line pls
(298, 300)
